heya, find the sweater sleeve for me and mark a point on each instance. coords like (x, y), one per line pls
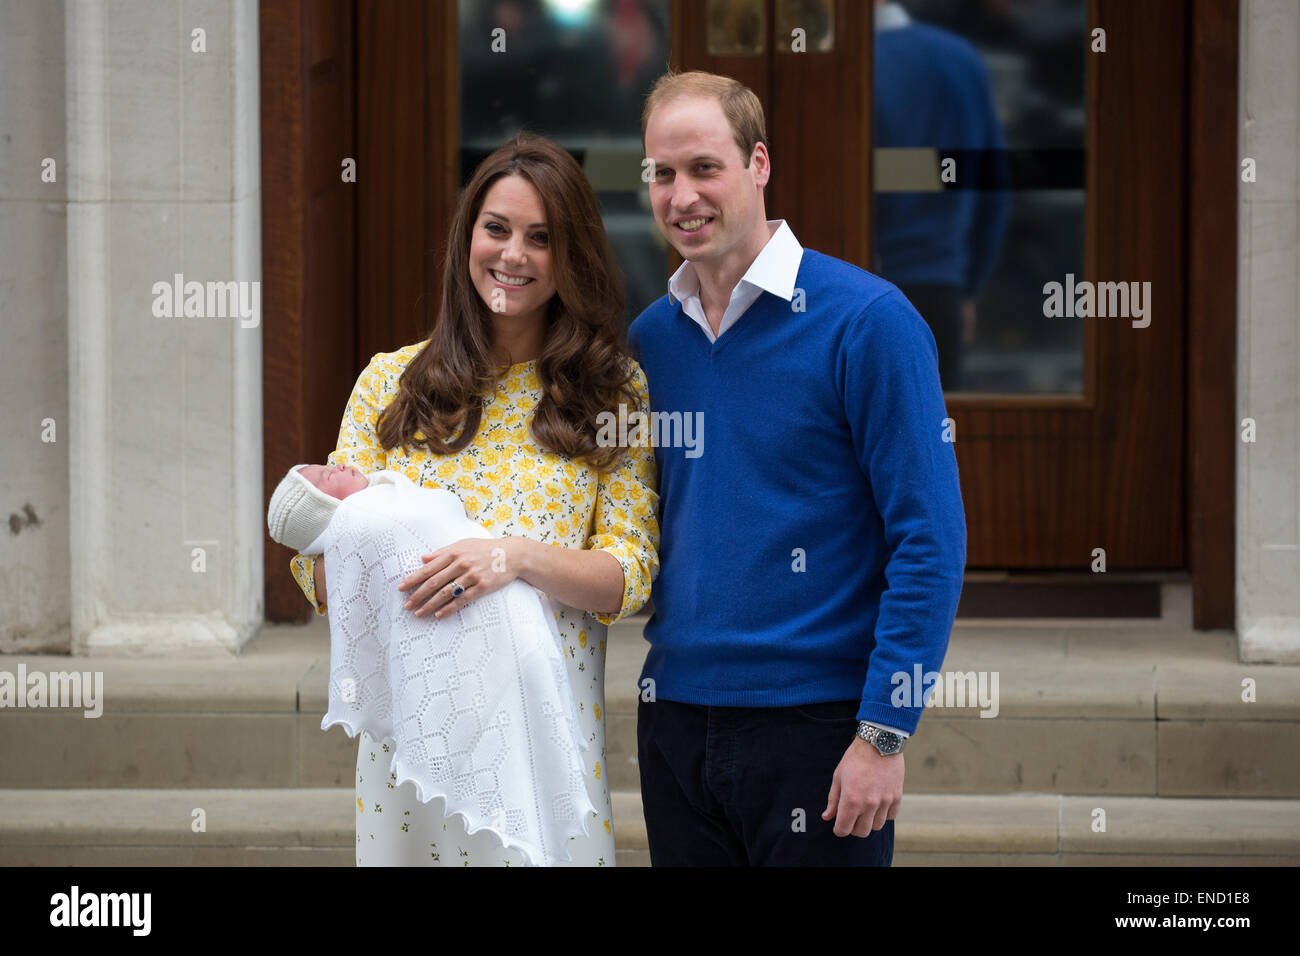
(888, 370)
(357, 445)
(303, 569)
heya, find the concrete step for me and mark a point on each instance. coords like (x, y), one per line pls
(294, 826)
(1133, 709)
(1052, 830)
(1121, 709)
(247, 721)
(264, 826)
(315, 826)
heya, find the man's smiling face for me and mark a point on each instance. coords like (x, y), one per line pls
(706, 202)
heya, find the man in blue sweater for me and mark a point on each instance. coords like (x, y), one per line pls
(812, 547)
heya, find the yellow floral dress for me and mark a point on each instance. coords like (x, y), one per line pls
(511, 486)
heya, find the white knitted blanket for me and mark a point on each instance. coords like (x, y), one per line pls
(479, 703)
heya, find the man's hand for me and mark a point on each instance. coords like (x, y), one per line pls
(866, 790)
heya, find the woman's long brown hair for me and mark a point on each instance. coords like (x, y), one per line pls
(584, 365)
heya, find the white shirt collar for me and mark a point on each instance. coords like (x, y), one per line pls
(774, 269)
(891, 16)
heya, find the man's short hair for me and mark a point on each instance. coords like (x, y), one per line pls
(740, 106)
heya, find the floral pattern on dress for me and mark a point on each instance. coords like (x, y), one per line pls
(508, 483)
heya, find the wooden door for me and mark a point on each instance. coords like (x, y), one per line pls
(1045, 479)
(309, 353)
(1138, 463)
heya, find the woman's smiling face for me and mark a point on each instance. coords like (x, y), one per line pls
(509, 252)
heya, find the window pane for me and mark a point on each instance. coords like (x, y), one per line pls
(992, 93)
(576, 72)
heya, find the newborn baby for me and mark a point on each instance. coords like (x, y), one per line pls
(304, 502)
(457, 694)
(337, 481)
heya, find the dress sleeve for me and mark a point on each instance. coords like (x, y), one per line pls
(358, 446)
(626, 520)
(303, 567)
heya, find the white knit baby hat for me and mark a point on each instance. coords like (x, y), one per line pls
(299, 511)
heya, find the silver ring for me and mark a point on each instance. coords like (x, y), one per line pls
(456, 589)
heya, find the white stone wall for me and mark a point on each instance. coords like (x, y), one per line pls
(1268, 362)
(159, 417)
(34, 612)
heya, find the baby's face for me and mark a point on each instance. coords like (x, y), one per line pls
(337, 481)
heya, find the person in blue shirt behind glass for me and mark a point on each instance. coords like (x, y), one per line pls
(932, 89)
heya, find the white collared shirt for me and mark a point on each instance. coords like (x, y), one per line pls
(773, 270)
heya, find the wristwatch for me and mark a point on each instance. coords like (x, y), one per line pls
(886, 741)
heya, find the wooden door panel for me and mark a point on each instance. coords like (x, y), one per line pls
(408, 106)
(308, 249)
(1045, 481)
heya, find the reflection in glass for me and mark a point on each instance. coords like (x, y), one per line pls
(577, 73)
(815, 17)
(736, 27)
(997, 88)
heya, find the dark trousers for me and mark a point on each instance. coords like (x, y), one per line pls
(746, 786)
(940, 306)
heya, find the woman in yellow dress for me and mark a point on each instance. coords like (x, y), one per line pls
(502, 404)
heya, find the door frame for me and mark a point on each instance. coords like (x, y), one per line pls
(1212, 184)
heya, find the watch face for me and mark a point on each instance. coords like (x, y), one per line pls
(887, 742)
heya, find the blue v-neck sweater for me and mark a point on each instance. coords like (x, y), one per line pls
(813, 543)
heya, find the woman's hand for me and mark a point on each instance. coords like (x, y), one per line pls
(479, 565)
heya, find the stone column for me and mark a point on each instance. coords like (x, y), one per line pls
(165, 463)
(1268, 363)
(33, 331)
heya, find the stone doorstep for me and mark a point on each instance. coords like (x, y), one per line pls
(1061, 672)
(1082, 672)
(1134, 758)
(930, 829)
(283, 817)
(1120, 721)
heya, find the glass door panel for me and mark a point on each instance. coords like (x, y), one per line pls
(576, 72)
(979, 147)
